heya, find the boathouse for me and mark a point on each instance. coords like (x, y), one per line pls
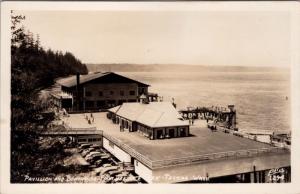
(154, 120)
(100, 90)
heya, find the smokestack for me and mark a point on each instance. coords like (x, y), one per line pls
(77, 89)
(78, 79)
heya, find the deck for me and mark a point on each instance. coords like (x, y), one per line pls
(201, 142)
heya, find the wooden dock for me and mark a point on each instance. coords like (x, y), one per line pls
(220, 115)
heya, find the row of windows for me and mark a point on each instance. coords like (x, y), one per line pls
(101, 103)
(89, 140)
(100, 93)
(94, 139)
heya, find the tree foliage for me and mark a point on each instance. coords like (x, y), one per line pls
(32, 69)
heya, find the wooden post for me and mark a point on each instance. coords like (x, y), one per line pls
(252, 177)
(243, 178)
(263, 176)
(258, 176)
(254, 174)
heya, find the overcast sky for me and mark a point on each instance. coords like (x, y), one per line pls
(152, 37)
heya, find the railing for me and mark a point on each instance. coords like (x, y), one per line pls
(79, 128)
(75, 131)
(146, 161)
(86, 111)
(85, 129)
(215, 156)
(192, 159)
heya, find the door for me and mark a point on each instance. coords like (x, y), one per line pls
(159, 134)
(182, 132)
(171, 133)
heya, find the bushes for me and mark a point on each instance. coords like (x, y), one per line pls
(36, 158)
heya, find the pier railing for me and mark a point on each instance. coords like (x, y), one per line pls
(72, 132)
(75, 131)
(192, 159)
(215, 156)
(80, 128)
(146, 161)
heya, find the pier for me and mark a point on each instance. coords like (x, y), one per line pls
(223, 115)
(204, 153)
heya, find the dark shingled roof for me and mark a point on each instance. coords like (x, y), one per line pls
(71, 81)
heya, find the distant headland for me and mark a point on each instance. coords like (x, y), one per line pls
(126, 67)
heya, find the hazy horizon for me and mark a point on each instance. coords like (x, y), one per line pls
(193, 65)
(206, 38)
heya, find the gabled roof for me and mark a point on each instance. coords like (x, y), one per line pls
(154, 114)
(114, 109)
(71, 80)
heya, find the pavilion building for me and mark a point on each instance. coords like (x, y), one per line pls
(155, 120)
(99, 90)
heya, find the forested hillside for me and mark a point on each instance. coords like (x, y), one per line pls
(34, 68)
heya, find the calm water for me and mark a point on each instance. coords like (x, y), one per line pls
(259, 98)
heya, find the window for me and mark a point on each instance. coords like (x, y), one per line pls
(89, 103)
(141, 91)
(88, 93)
(112, 102)
(132, 93)
(111, 92)
(81, 140)
(100, 93)
(100, 103)
(94, 139)
(122, 93)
